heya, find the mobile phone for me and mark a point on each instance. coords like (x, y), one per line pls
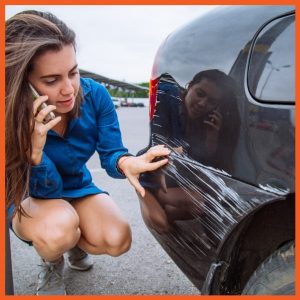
(35, 95)
(207, 117)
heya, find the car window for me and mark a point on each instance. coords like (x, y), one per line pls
(271, 76)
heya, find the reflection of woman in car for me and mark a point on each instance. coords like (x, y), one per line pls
(212, 115)
(201, 122)
(204, 124)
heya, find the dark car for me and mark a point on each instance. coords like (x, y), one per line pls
(222, 98)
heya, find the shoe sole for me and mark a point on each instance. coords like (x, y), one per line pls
(37, 294)
(78, 268)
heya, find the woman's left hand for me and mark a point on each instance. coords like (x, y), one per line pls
(133, 166)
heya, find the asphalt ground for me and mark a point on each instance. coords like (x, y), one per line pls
(144, 270)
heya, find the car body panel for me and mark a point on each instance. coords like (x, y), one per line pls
(225, 201)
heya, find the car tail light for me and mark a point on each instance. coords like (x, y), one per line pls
(154, 82)
(152, 97)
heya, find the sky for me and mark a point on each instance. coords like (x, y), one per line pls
(119, 41)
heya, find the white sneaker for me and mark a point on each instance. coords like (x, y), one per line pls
(79, 259)
(50, 278)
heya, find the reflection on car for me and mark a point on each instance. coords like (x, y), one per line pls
(222, 99)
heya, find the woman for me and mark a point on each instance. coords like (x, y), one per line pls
(52, 202)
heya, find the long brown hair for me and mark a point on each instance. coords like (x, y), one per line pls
(28, 34)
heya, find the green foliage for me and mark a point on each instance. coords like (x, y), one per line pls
(123, 94)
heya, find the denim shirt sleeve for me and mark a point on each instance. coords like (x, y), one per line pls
(45, 181)
(109, 141)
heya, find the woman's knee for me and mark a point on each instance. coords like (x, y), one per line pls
(114, 241)
(59, 231)
(118, 239)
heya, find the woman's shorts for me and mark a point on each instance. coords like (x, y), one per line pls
(10, 212)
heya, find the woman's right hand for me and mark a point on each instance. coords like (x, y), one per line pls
(39, 135)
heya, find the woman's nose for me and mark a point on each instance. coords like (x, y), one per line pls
(67, 88)
(202, 102)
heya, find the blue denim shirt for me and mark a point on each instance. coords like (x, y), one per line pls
(62, 172)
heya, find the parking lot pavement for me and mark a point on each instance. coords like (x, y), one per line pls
(146, 269)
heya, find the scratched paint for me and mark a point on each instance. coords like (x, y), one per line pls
(193, 205)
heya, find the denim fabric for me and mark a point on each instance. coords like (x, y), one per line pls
(62, 172)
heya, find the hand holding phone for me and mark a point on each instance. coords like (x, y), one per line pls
(35, 95)
(214, 118)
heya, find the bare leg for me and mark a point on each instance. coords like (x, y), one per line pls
(53, 226)
(103, 229)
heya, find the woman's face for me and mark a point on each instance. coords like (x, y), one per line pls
(202, 98)
(55, 74)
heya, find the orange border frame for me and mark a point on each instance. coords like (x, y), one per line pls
(2, 124)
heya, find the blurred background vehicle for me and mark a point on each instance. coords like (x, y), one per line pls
(116, 102)
(222, 98)
(132, 103)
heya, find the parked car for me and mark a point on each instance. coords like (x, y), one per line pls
(222, 98)
(140, 104)
(126, 103)
(116, 102)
